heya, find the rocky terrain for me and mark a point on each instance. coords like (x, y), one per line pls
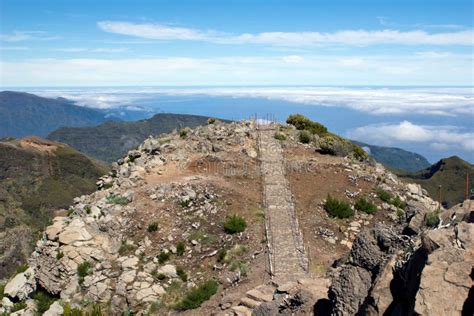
(191, 223)
(37, 177)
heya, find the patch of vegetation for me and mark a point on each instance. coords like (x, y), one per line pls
(21, 268)
(185, 203)
(359, 153)
(126, 248)
(43, 301)
(211, 121)
(163, 257)
(131, 158)
(384, 195)
(68, 311)
(242, 266)
(183, 133)
(182, 274)
(18, 306)
(159, 276)
(2, 291)
(234, 224)
(84, 269)
(180, 248)
(87, 209)
(196, 296)
(117, 199)
(280, 136)
(432, 219)
(365, 206)
(59, 255)
(338, 208)
(152, 227)
(221, 255)
(304, 137)
(301, 122)
(334, 145)
(398, 203)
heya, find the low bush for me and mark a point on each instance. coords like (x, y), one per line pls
(21, 268)
(182, 274)
(163, 257)
(180, 248)
(211, 120)
(359, 153)
(59, 255)
(18, 306)
(183, 133)
(365, 206)
(304, 137)
(280, 136)
(397, 202)
(153, 227)
(126, 248)
(432, 219)
(2, 290)
(338, 208)
(384, 195)
(301, 122)
(234, 224)
(117, 199)
(198, 295)
(43, 301)
(131, 158)
(84, 269)
(221, 255)
(334, 145)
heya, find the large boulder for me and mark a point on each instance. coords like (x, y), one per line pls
(21, 285)
(446, 278)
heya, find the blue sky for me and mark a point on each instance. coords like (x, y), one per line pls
(80, 43)
(314, 56)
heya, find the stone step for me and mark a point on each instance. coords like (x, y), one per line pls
(262, 293)
(248, 302)
(241, 310)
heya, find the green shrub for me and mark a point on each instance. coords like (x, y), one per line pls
(183, 133)
(68, 311)
(180, 248)
(87, 208)
(303, 123)
(338, 208)
(432, 219)
(211, 120)
(397, 202)
(163, 257)
(384, 195)
(2, 290)
(18, 306)
(153, 227)
(43, 301)
(359, 152)
(234, 224)
(21, 268)
(365, 206)
(198, 295)
(334, 145)
(83, 270)
(131, 158)
(185, 203)
(59, 255)
(182, 274)
(117, 199)
(280, 136)
(304, 137)
(221, 255)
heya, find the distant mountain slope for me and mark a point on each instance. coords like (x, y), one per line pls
(37, 177)
(111, 140)
(23, 114)
(396, 158)
(450, 173)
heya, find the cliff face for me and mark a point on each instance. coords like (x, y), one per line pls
(181, 221)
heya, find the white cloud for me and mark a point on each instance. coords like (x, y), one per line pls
(343, 37)
(19, 36)
(438, 137)
(90, 50)
(5, 48)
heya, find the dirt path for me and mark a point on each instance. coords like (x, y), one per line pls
(288, 259)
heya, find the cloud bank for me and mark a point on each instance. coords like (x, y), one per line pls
(439, 138)
(345, 37)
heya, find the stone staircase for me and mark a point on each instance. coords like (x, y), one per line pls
(287, 257)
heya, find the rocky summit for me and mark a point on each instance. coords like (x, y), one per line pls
(247, 219)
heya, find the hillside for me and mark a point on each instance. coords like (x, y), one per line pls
(23, 114)
(450, 173)
(37, 177)
(396, 158)
(230, 219)
(111, 140)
